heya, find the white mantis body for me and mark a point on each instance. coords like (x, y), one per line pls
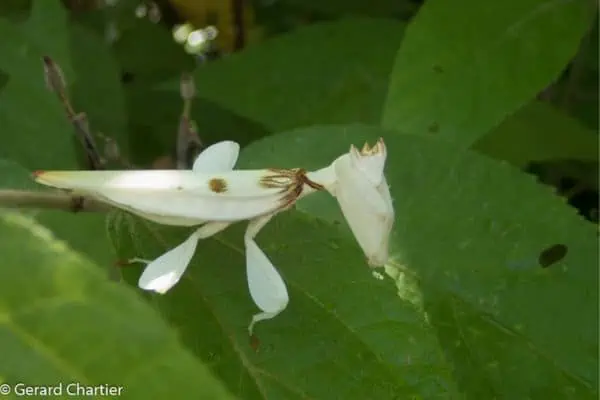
(212, 196)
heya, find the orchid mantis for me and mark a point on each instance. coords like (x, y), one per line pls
(212, 196)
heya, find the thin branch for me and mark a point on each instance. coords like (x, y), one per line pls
(188, 144)
(49, 200)
(238, 23)
(113, 153)
(82, 130)
(56, 82)
(187, 89)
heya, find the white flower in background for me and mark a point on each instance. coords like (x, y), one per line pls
(212, 196)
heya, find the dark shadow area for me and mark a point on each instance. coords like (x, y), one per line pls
(154, 118)
(575, 180)
(15, 10)
(4, 77)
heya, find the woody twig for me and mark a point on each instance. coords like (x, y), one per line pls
(46, 200)
(189, 144)
(56, 83)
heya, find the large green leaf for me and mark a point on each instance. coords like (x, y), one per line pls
(97, 89)
(32, 119)
(469, 231)
(333, 72)
(15, 10)
(14, 176)
(67, 226)
(35, 132)
(577, 90)
(539, 132)
(344, 334)
(464, 65)
(62, 322)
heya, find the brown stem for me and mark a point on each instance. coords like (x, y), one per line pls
(49, 200)
(82, 131)
(188, 144)
(56, 82)
(238, 23)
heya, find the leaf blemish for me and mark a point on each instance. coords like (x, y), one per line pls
(552, 255)
(433, 128)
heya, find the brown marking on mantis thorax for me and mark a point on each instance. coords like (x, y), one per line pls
(291, 182)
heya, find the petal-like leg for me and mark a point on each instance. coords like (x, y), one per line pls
(219, 157)
(138, 260)
(266, 285)
(164, 272)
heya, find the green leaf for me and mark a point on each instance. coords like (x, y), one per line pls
(463, 67)
(577, 90)
(333, 72)
(65, 225)
(97, 88)
(75, 228)
(35, 131)
(15, 10)
(62, 322)
(539, 132)
(14, 176)
(377, 8)
(32, 117)
(344, 334)
(47, 27)
(469, 231)
(154, 118)
(148, 52)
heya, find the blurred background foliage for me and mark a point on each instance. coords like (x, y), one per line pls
(551, 137)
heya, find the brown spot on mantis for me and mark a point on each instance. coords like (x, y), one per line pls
(217, 185)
